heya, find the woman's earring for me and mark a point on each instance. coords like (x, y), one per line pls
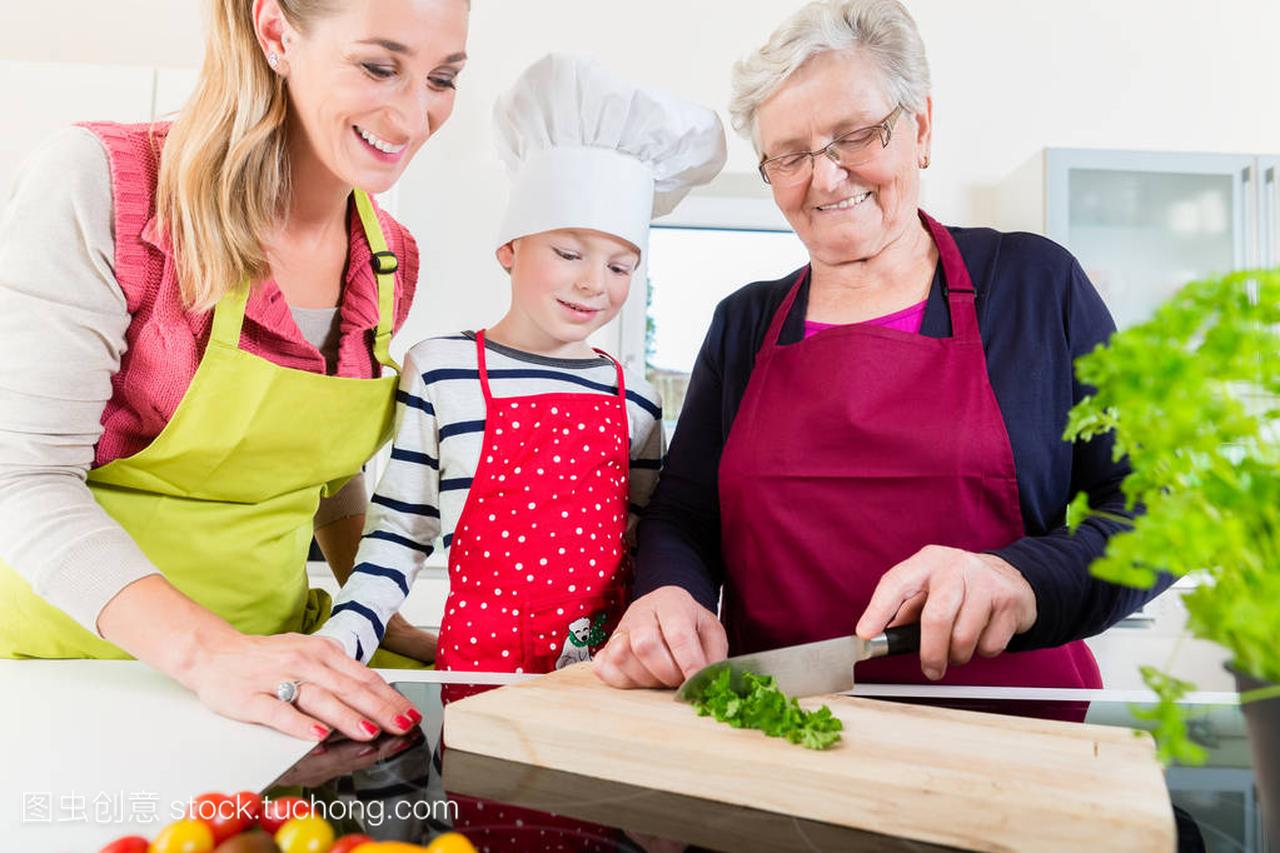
(273, 59)
(924, 162)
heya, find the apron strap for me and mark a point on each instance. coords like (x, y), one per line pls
(384, 267)
(617, 366)
(484, 368)
(780, 316)
(957, 284)
(958, 288)
(228, 316)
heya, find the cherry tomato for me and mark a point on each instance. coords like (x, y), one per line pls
(348, 843)
(250, 805)
(222, 814)
(127, 844)
(310, 834)
(253, 841)
(275, 813)
(183, 836)
(451, 842)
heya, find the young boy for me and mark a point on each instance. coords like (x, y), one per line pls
(527, 449)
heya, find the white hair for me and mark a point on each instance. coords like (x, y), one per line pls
(882, 28)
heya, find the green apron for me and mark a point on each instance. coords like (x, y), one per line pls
(222, 500)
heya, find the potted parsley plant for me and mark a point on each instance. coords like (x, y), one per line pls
(1193, 399)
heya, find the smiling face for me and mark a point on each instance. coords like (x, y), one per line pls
(369, 83)
(854, 214)
(580, 628)
(565, 284)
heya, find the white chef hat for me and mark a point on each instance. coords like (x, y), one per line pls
(588, 149)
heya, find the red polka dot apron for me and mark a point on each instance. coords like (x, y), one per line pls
(536, 569)
(536, 577)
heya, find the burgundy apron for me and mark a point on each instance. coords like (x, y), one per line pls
(851, 451)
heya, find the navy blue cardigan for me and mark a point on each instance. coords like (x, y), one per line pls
(1037, 313)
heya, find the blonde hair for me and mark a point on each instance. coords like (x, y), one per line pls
(224, 171)
(883, 28)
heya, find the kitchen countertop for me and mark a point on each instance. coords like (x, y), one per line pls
(101, 748)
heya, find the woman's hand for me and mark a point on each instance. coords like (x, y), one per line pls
(237, 676)
(405, 639)
(965, 602)
(663, 638)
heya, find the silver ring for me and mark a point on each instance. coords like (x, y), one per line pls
(287, 691)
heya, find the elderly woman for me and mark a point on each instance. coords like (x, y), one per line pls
(195, 324)
(876, 438)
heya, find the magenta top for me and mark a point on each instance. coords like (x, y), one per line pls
(906, 320)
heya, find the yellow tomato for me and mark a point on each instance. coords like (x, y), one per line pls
(310, 834)
(451, 842)
(183, 836)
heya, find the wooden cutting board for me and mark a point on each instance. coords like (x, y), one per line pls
(958, 778)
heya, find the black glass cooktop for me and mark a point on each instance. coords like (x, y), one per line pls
(408, 788)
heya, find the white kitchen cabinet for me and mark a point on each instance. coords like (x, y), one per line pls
(1269, 211)
(1143, 223)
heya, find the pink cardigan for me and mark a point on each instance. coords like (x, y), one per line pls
(165, 341)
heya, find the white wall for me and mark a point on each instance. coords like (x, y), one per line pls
(1010, 77)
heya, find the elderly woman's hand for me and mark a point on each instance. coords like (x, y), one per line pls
(236, 676)
(965, 602)
(663, 638)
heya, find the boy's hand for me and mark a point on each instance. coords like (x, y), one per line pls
(403, 638)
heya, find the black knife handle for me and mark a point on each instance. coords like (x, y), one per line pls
(903, 639)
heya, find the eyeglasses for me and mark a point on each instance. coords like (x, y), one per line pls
(847, 150)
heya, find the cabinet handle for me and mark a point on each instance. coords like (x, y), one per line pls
(1268, 224)
(1250, 239)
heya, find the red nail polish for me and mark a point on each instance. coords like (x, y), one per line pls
(369, 727)
(415, 715)
(321, 732)
(402, 722)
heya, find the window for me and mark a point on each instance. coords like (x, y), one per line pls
(690, 269)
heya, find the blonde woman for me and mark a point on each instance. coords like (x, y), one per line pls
(193, 325)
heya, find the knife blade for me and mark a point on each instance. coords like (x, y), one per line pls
(810, 669)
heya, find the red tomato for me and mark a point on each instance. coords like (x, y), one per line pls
(310, 834)
(347, 843)
(183, 836)
(222, 814)
(250, 805)
(127, 844)
(275, 813)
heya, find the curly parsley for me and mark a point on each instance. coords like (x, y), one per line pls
(763, 706)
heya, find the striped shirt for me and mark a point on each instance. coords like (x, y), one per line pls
(440, 422)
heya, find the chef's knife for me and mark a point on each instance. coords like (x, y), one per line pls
(811, 669)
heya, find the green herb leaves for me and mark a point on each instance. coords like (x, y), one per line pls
(1191, 398)
(763, 706)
